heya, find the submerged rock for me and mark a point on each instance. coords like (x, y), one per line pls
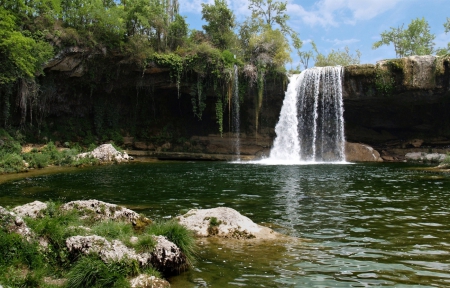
(32, 210)
(146, 281)
(104, 211)
(224, 222)
(106, 153)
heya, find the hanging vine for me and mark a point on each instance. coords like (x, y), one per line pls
(198, 98)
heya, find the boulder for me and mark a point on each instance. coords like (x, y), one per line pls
(106, 153)
(113, 251)
(105, 211)
(424, 157)
(168, 257)
(356, 152)
(33, 209)
(224, 222)
(14, 223)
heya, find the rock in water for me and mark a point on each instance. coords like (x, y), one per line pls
(224, 222)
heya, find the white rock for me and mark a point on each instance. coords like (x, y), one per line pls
(32, 209)
(231, 224)
(113, 251)
(105, 210)
(106, 153)
(146, 281)
(14, 223)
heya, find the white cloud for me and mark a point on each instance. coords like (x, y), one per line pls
(326, 12)
(239, 7)
(342, 43)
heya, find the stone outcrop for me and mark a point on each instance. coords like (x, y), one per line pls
(103, 211)
(424, 157)
(108, 251)
(167, 257)
(32, 210)
(224, 222)
(356, 152)
(14, 223)
(106, 153)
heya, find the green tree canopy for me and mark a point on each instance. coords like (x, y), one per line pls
(337, 58)
(221, 22)
(415, 40)
(22, 54)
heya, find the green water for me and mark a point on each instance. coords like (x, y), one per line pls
(367, 225)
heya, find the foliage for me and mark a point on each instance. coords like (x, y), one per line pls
(415, 40)
(384, 82)
(335, 58)
(221, 22)
(219, 114)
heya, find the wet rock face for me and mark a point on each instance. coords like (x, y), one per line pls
(356, 152)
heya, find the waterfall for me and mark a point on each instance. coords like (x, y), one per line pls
(311, 124)
(235, 114)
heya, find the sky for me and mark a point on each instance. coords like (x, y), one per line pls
(335, 24)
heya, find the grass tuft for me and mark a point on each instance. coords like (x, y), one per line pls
(179, 235)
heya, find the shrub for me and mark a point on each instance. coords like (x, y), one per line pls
(10, 163)
(39, 160)
(17, 251)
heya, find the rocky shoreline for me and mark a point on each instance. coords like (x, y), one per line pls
(82, 240)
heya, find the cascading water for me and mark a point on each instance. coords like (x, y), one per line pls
(235, 114)
(311, 124)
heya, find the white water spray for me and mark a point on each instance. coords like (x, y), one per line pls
(311, 124)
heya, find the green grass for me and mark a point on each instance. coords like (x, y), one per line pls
(91, 271)
(113, 230)
(25, 264)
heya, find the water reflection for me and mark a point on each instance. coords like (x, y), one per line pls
(369, 225)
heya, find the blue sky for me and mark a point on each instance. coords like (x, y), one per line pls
(334, 24)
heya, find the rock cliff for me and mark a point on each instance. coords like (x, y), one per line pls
(399, 103)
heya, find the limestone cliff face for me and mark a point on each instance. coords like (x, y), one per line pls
(397, 101)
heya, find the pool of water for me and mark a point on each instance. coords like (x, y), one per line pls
(363, 224)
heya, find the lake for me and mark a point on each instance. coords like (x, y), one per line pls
(383, 224)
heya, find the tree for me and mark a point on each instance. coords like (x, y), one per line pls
(337, 58)
(415, 40)
(446, 50)
(22, 56)
(221, 22)
(271, 14)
